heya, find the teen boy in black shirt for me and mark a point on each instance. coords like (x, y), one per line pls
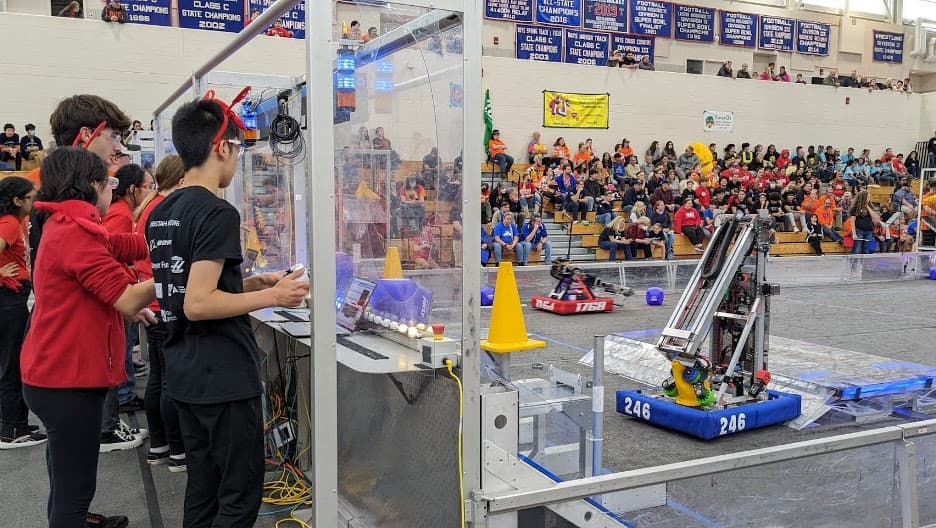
(212, 360)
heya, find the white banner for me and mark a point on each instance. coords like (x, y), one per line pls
(713, 121)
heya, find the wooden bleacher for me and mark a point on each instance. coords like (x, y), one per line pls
(789, 244)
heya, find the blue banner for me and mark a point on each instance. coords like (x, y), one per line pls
(738, 29)
(651, 17)
(514, 10)
(216, 15)
(586, 47)
(559, 12)
(293, 20)
(812, 38)
(539, 43)
(695, 23)
(888, 47)
(149, 12)
(776, 33)
(641, 45)
(606, 15)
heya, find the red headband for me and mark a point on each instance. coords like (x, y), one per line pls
(229, 115)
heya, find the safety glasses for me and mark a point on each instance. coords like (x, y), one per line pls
(97, 132)
(229, 115)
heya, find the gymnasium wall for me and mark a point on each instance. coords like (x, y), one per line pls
(660, 105)
(927, 115)
(135, 66)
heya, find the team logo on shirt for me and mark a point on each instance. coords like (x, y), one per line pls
(177, 265)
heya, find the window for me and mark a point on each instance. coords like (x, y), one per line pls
(825, 5)
(871, 7)
(914, 9)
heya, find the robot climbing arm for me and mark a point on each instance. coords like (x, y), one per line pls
(726, 300)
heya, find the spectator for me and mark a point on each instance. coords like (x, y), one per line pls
(254, 14)
(31, 148)
(904, 196)
(687, 161)
(72, 10)
(10, 147)
(793, 212)
(619, 170)
(654, 153)
(560, 152)
(497, 149)
(814, 235)
(430, 166)
(725, 70)
(743, 72)
(800, 79)
(533, 236)
(422, 249)
(931, 149)
(825, 214)
(114, 12)
(625, 149)
(579, 203)
(604, 208)
(669, 154)
(371, 34)
(863, 226)
(912, 163)
(688, 221)
(278, 30)
(16, 200)
(628, 61)
(506, 236)
(769, 74)
(354, 30)
(536, 148)
(612, 238)
(582, 155)
(832, 79)
(664, 194)
(381, 142)
(636, 193)
(614, 60)
(485, 243)
(783, 75)
(638, 233)
(645, 64)
(639, 209)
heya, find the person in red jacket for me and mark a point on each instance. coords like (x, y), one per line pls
(162, 418)
(16, 199)
(279, 31)
(74, 349)
(133, 184)
(688, 221)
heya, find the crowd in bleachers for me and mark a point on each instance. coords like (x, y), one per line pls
(854, 80)
(648, 201)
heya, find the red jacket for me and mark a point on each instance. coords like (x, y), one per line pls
(119, 217)
(279, 32)
(686, 217)
(76, 337)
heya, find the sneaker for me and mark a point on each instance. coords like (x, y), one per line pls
(134, 405)
(154, 459)
(96, 520)
(700, 247)
(142, 434)
(140, 370)
(27, 440)
(118, 441)
(177, 465)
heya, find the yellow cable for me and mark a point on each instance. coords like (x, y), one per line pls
(461, 407)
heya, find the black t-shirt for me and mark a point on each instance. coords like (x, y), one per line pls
(206, 361)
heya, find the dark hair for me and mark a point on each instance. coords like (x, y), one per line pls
(128, 175)
(12, 187)
(193, 128)
(78, 111)
(30, 126)
(67, 174)
(9, 125)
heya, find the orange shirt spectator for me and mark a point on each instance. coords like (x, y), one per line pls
(825, 214)
(582, 156)
(560, 150)
(811, 203)
(625, 150)
(496, 146)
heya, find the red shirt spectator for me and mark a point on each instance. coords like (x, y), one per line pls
(11, 232)
(703, 195)
(279, 31)
(686, 216)
(114, 12)
(784, 159)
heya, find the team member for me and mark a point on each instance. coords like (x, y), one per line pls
(74, 349)
(161, 415)
(212, 360)
(16, 199)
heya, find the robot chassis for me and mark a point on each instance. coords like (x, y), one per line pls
(574, 291)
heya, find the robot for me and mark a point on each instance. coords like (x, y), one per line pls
(574, 293)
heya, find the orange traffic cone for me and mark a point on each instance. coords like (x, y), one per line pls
(507, 331)
(392, 267)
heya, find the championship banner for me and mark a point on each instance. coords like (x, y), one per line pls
(738, 29)
(293, 20)
(695, 23)
(216, 15)
(776, 33)
(812, 38)
(512, 10)
(574, 110)
(887, 47)
(714, 121)
(606, 15)
(149, 12)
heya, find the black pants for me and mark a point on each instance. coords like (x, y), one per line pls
(14, 315)
(72, 418)
(224, 455)
(694, 234)
(161, 414)
(816, 244)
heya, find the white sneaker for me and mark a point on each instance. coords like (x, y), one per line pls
(142, 434)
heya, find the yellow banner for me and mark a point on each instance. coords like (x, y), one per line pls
(574, 110)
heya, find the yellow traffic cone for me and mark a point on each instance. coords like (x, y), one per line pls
(507, 331)
(392, 267)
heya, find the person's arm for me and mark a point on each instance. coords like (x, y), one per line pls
(205, 301)
(134, 298)
(104, 16)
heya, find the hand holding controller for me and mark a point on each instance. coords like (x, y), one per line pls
(292, 289)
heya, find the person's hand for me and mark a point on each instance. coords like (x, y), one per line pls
(269, 279)
(10, 270)
(145, 316)
(289, 292)
(113, 19)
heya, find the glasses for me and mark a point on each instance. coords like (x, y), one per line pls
(94, 135)
(112, 182)
(240, 146)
